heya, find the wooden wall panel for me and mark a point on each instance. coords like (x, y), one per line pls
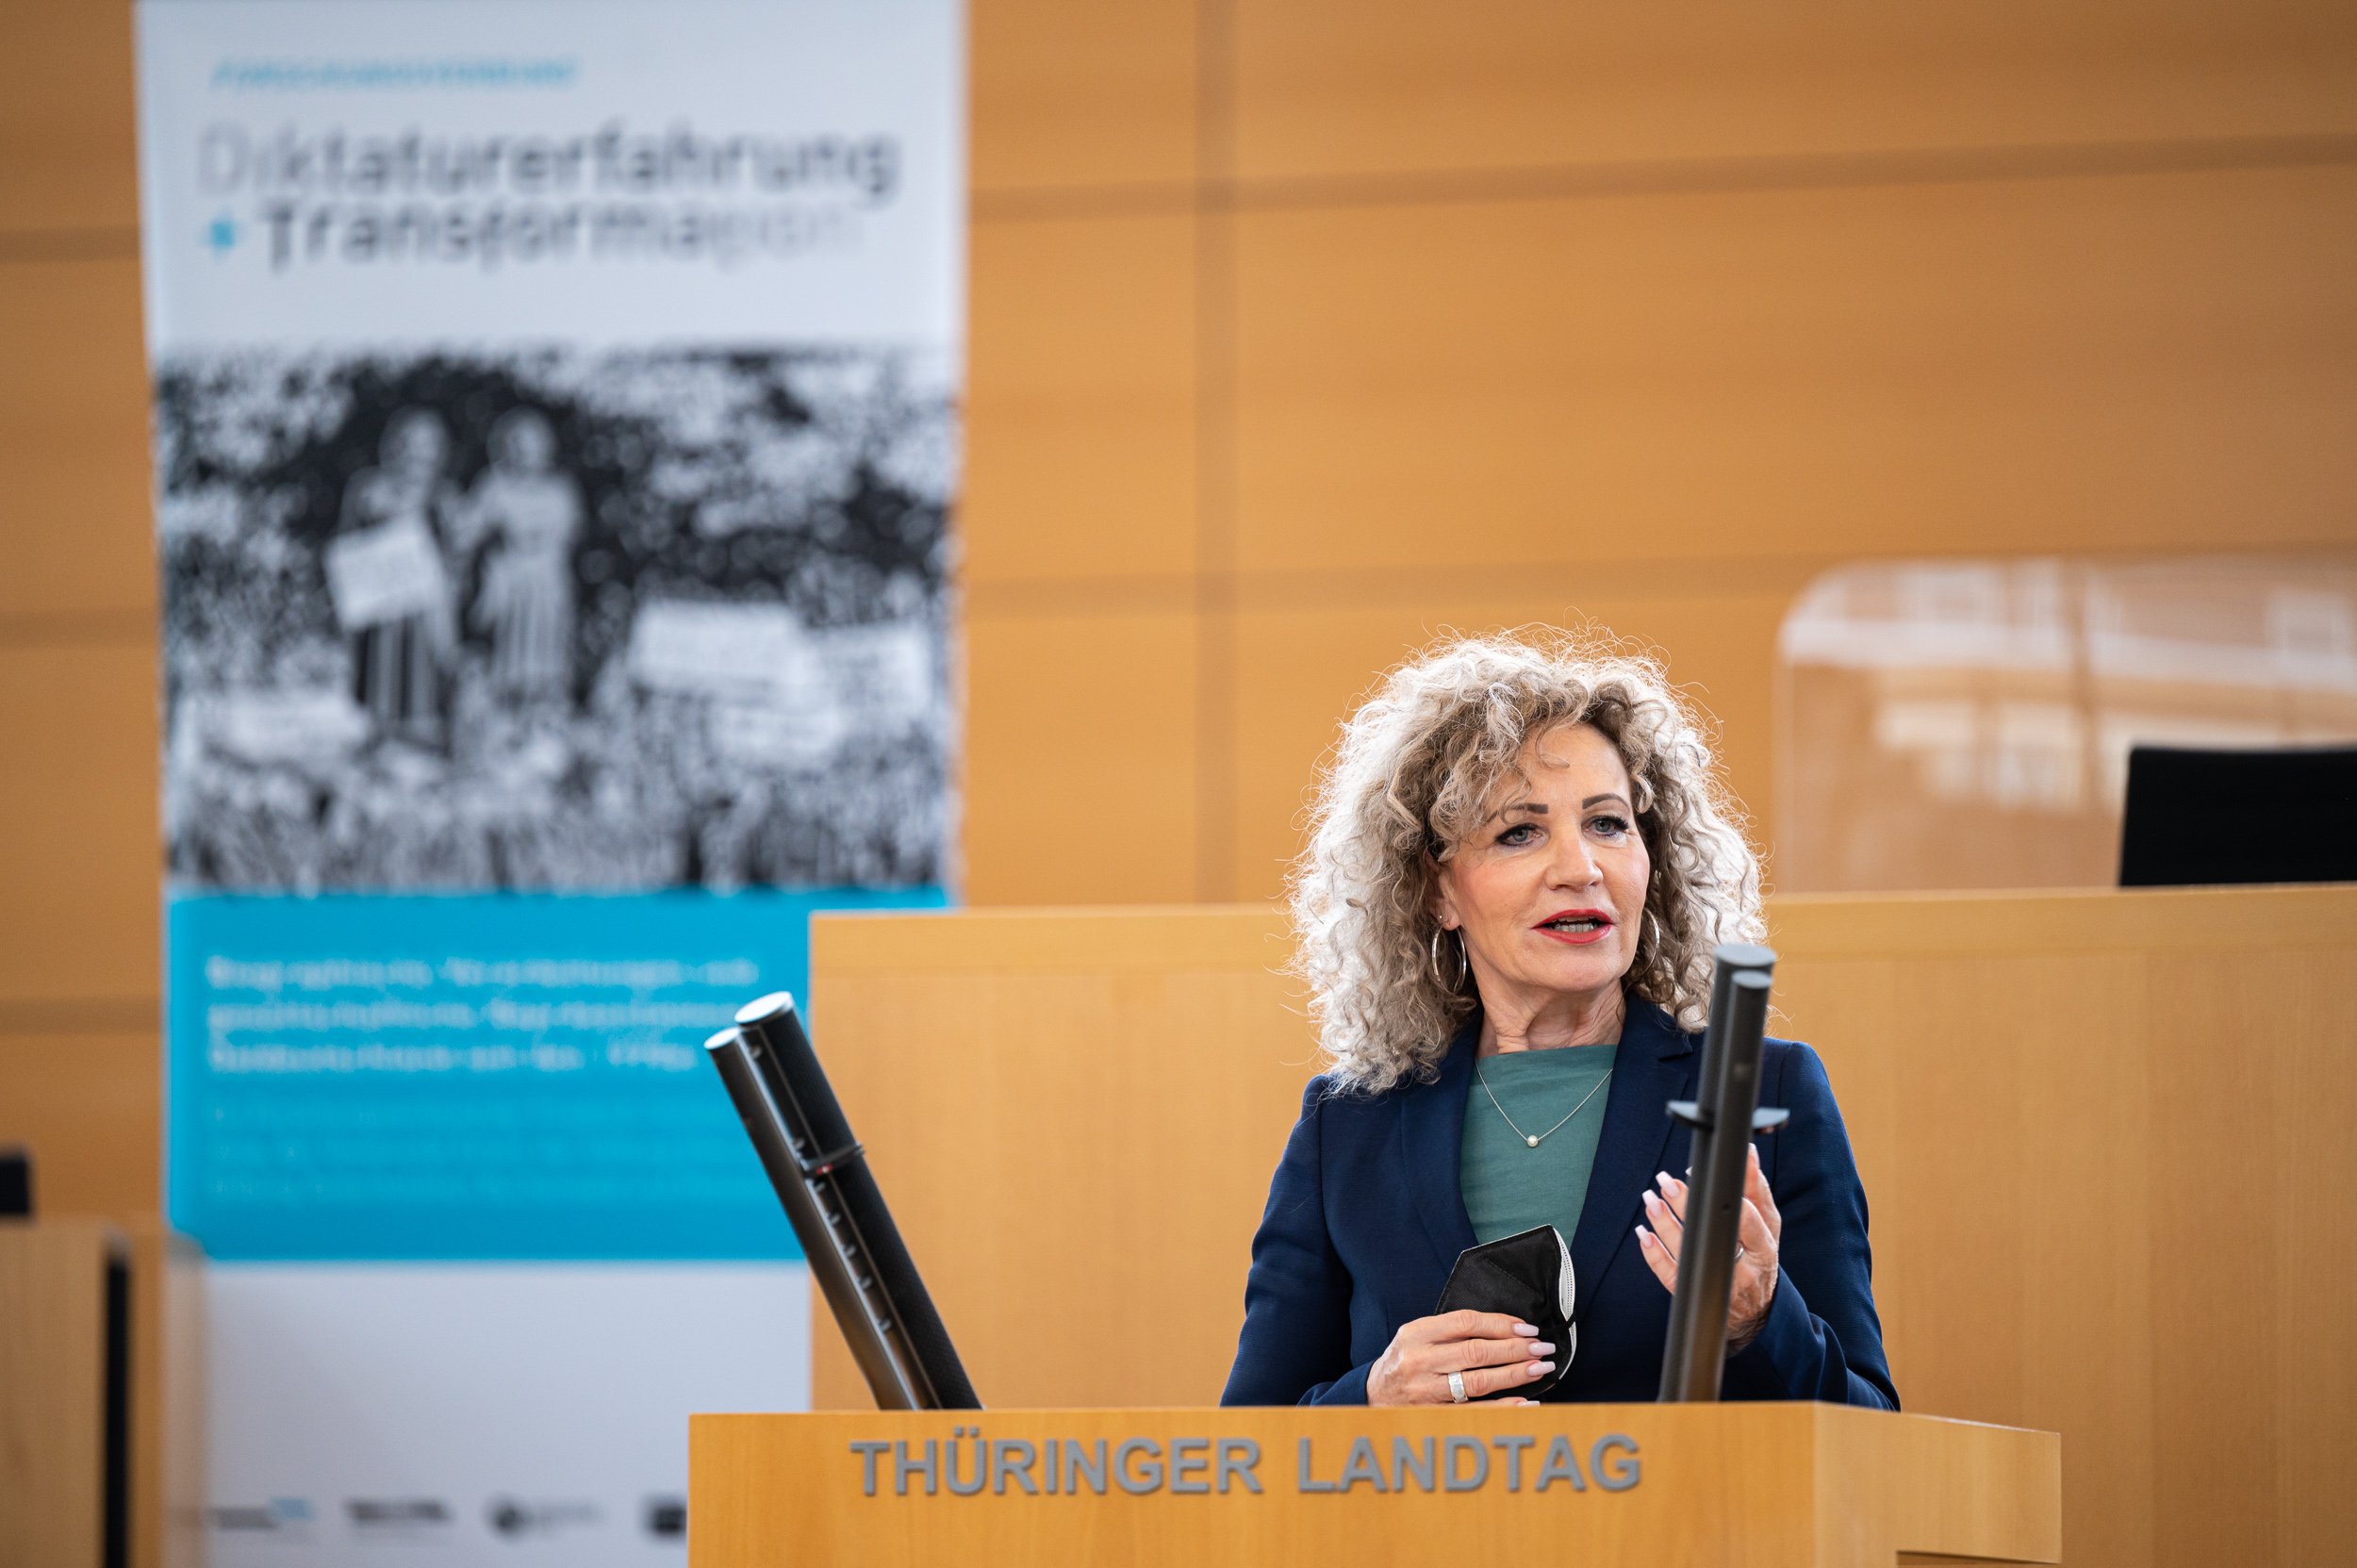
(66, 128)
(1550, 297)
(1072, 94)
(1081, 433)
(81, 859)
(76, 530)
(1989, 366)
(1085, 739)
(86, 1104)
(1326, 87)
(1307, 664)
(2101, 1135)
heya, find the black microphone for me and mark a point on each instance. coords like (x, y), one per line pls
(822, 1176)
(1694, 1357)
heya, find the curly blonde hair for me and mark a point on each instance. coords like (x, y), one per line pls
(1406, 782)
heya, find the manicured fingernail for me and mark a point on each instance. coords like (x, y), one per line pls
(1644, 1237)
(1662, 1180)
(1538, 1369)
(1526, 1330)
(1540, 1347)
(1648, 1200)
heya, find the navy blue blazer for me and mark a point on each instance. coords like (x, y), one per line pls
(1365, 1217)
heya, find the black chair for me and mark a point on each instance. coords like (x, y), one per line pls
(2211, 818)
(16, 1182)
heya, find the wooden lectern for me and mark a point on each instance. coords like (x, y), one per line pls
(1808, 1486)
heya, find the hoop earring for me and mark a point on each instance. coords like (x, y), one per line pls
(1464, 964)
(1652, 924)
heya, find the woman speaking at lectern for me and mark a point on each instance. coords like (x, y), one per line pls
(1520, 865)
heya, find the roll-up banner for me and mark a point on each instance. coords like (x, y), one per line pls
(555, 436)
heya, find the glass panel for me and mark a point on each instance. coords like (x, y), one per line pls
(1967, 724)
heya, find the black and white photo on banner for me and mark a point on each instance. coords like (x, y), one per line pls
(556, 619)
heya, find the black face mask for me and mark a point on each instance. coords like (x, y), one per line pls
(1528, 1277)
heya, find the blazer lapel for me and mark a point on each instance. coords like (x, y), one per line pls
(1648, 1072)
(1431, 1142)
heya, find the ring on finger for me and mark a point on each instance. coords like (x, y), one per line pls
(1457, 1388)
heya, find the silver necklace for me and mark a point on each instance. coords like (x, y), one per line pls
(1534, 1139)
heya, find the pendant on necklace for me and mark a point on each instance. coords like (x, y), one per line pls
(1531, 1140)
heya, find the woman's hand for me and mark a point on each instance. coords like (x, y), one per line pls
(1495, 1353)
(1757, 1236)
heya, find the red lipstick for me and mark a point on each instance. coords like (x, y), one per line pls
(1576, 928)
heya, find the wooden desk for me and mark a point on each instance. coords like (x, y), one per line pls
(2108, 1142)
(1765, 1486)
(56, 1316)
(2105, 1137)
(64, 1393)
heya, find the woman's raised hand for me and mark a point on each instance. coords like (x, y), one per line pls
(1757, 1236)
(1494, 1353)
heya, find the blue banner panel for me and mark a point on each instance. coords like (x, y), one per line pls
(473, 1075)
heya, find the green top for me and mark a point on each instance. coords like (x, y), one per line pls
(1510, 1187)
